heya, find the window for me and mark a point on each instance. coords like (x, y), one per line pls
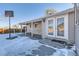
(36, 25)
(50, 27)
(60, 26)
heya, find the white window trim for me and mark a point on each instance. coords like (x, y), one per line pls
(55, 27)
(65, 26)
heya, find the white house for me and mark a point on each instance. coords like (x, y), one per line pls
(59, 26)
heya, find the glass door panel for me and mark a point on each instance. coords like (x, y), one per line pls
(50, 27)
(60, 27)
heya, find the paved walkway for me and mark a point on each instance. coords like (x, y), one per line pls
(43, 51)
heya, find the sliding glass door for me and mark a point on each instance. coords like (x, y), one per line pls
(60, 27)
(56, 27)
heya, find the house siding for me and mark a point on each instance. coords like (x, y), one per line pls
(28, 28)
(77, 39)
(71, 27)
(38, 28)
(77, 34)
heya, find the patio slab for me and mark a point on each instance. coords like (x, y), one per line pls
(52, 43)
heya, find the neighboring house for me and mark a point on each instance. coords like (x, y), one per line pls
(59, 26)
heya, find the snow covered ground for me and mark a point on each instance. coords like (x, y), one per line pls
(27, 46)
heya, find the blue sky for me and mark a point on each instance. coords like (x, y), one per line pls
(28, 11)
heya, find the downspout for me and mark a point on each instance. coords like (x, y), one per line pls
(75, 22)
(55, 27)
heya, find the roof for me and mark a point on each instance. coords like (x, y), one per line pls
(56, 14)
